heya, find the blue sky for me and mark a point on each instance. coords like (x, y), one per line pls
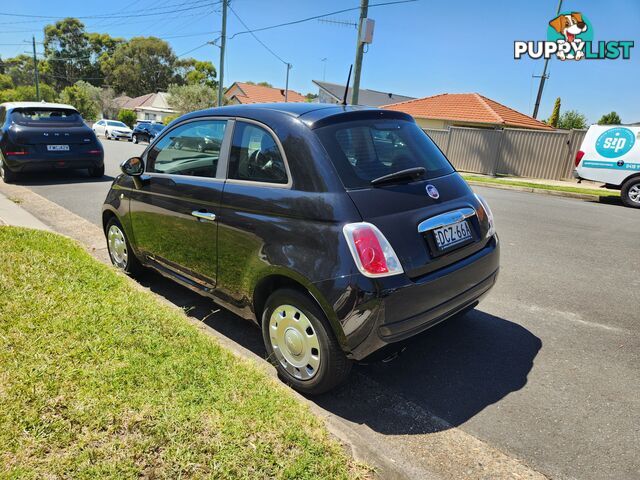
(422, 48)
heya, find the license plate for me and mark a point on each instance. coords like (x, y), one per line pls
(450, 235)
(58, 148)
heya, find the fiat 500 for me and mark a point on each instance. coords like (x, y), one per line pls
(338, 230)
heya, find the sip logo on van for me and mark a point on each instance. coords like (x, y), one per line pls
(615, 142)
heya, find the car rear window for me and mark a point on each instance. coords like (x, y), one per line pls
(365, 150)
(45, 116)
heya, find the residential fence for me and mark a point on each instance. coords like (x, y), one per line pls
(511, 151)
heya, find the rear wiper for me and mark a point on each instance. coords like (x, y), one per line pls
(413, 173)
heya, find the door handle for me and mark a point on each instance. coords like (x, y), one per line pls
(210, 217)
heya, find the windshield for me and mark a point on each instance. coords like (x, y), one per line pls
(112, 123)
(45, 116)
(366, 150)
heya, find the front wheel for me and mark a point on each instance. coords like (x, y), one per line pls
(630, 192)
(106, 135)
(120, 251)
(301, 344)
(135, 139)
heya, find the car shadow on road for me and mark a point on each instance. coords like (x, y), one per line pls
(59, 177)
(444, 376)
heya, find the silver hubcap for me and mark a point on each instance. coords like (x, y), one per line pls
(117, 246)
(634, 193)
(294, 342)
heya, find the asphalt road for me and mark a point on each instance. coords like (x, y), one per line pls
(546, 369)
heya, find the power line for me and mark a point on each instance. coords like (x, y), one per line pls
(315, 17)
(107, 16)
(257, 39)
(193, 49)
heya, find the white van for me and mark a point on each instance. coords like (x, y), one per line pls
(610, 154)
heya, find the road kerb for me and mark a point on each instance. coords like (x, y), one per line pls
(544, 191)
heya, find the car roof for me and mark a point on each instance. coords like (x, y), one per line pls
(11, 105)
(312, 114)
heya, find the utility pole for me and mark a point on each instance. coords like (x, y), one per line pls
(35, 70)
(223, 42)
(544, 75)
(364, 11)
(324, 68)
(286, 88)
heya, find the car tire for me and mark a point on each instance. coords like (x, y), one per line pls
(630, 192)
(106, 135)
(97, 172)
(300, 343)
(134, 139)
(7, 175)
(119, 248)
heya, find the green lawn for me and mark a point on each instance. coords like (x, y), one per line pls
(99, 379)
(519, 183)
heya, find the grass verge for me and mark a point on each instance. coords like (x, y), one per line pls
(601, 192)
(101, 380)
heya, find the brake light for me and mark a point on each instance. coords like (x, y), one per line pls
(485, 210)
(16, 152)
(579, 156)
(95, 152)
(371, 251)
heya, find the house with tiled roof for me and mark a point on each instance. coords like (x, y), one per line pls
(152, 106)
(334, 93)
(242, 92)
(465, 110)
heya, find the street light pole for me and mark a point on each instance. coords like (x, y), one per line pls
(35, 70)
(544, 75)
(223, 42)
(364, 11)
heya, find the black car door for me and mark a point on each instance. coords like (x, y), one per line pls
(173, 210)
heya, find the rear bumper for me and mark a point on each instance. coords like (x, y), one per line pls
(374, 314)
(31, 164)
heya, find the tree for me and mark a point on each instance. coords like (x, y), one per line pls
(80, 98)
(611, 118)
(68, 53)
(555, 115)
(127, 116)
(260, 84)
(6, 82)
(27, 93)
(196, 72)
(187, 98)
(572, 119)
(311, 97)
(20, 69)
(142, 65)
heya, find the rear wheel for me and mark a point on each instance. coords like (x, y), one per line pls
(97, 172)
(630, 192)
(7, 175)
(120, 251)
(301, 344)
(106, 135)
(135, 139)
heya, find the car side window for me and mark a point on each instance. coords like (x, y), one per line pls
(255, 156)
(191, 149)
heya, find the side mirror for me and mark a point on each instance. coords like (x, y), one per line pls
(133, 167)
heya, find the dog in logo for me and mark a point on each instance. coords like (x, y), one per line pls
(569, 26)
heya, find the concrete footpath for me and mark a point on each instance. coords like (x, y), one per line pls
(441, 451)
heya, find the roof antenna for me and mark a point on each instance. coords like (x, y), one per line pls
(346, 89)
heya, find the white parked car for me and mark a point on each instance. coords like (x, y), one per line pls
(112, 129)
(610, 154)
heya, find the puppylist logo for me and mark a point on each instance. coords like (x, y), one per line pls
(570, 37)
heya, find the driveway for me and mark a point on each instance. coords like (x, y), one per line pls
(546, 369)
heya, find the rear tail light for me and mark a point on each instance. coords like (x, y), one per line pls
(487, 211)
(95, 152)
(371, 252)
(579, 156)
(16, 151)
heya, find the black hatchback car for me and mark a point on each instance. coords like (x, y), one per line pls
(338, 230)
(38, 136)
(146, 132)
